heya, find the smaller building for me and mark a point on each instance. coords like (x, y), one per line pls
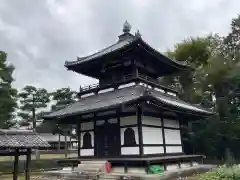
(48, 131)
(20, 142)
(57, 141)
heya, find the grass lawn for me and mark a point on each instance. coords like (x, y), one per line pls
(42, 156)
(34, 176)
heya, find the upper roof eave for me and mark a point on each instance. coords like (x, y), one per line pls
(123, 44)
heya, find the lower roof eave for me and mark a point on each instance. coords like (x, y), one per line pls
(180, 110)
(111, 107)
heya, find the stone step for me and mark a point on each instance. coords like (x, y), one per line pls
(86, 169)
(100, 167)
(93, 162)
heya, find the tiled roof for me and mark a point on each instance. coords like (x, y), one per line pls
(115, 47)
(21, 139)
(127, 40)
(121, 96)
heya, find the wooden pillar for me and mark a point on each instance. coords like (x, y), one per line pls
(180, 120)
(140, 135)
(15, 168)
(78, 138)
(59, 142)
(28, 163)
(163, 135)
(66, 143)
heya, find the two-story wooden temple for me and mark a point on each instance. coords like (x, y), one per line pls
(128, 114)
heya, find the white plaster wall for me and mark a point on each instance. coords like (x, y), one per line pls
(129, 120)
(87, 152)
(105, 90)
(126, 85)
(100, 122)
(87, 95)
(129, 150)
(112, 121)
(135, 131)
(87, 126)
(171, 123)
(173, 149)
(153, 149)
(92, 135)
(185, 165)
(156, 121)
(172, 167)
(172, 136)
(152, 135)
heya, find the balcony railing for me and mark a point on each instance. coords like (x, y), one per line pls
(124, 79)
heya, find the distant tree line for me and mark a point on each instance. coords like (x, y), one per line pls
(214, 84)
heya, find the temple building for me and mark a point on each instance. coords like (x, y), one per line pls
(128, 114)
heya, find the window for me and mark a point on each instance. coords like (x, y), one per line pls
(87, 141)
(129, 137)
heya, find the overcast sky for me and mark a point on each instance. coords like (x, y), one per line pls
(39, 35)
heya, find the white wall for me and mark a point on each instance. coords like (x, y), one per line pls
(87, 126)
(172, 136)
(156, 121)
(130, 150)
(86, 152)
(135, 132)
(171, 123)
(92, 137)
(112, 121)
(129, 120)
(174, 149)
(152, 135)
(153, 150)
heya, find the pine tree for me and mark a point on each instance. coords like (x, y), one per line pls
(32, 99)
(7, 93)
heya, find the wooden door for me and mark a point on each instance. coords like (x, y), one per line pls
(108, 140)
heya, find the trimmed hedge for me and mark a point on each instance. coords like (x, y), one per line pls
(36, 165)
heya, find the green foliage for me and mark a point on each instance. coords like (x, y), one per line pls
(63, 97)
(222, 173)
(229, 159)
(32, 99)
(7, 93)
(214, 84)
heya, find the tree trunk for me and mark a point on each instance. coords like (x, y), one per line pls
(34, 119)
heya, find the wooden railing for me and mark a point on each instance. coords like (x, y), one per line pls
(97, 85)
(90, 87)
(145, 78)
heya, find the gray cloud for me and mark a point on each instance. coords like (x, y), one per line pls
(40, 35)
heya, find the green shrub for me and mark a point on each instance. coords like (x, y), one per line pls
(222, 173)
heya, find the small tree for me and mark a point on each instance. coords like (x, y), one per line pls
(32, 99)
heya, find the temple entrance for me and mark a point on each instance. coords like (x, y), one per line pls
(107, 140)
